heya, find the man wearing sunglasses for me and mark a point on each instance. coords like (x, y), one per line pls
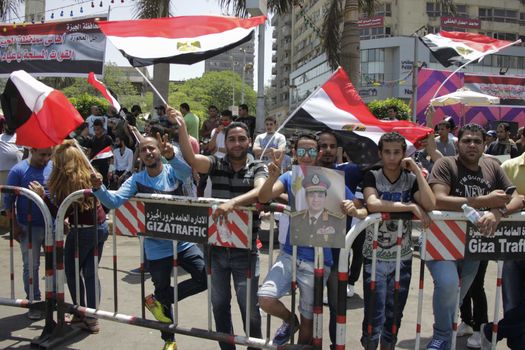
(278, 280)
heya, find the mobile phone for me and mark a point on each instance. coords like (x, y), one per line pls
(510, 190)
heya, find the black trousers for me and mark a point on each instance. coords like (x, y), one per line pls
(357, 258)
(474, 307)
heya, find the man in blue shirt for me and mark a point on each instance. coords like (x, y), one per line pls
(166, 179)
(35, 169)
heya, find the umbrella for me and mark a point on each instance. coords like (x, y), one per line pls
(466, 97)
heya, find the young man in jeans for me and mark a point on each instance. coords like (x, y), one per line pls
(468, 178)
(23, 174)
(399, 186)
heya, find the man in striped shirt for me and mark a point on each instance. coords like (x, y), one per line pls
(237, 178)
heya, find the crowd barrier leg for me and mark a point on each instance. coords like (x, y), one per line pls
(77, 261)
(208, 291)
(249, 276)
(175, 270)
(496, 306)
(11, 250)
(142, 286)
(455, 317)
(115, 284)
(318, 297)
(30, 251)
(397, 278)
(293, 291)
(421, 288)
(342, 282)
(270, 264)
(96, 258)
(372, 304)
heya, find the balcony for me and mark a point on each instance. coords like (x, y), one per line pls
(274, 58)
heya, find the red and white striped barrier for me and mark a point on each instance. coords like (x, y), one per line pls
(129, 219)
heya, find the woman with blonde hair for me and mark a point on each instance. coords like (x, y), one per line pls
(71, 172)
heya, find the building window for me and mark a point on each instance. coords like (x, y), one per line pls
(498, 15)
(437, 10)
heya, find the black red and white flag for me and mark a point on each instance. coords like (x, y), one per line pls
(337, 105)
(105, 153)
(460, 47)
(182, 40)
(97, 84)
(42, 116)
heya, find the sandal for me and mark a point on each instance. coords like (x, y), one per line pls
(91, 325)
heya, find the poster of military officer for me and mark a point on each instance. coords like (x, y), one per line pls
(317, 219)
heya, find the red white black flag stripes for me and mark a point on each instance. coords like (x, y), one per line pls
(183, 40)
(107, 152)
(461, 47)
(338, 106)
(97, 84)
(41, 115)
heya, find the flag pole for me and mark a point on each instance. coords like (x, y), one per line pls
(469, 62)
(152, 86)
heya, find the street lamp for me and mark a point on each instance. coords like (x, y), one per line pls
(243, 73)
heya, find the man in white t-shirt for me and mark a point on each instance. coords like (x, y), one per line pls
(274, 140)
(122, 163)
(96, 114)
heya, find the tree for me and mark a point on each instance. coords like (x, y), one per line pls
(161, 71)
(7, 7)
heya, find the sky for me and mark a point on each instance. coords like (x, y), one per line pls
(126, 10)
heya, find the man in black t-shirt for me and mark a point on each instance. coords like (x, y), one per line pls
(479, 182)
(100, 141)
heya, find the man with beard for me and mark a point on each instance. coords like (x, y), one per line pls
(237, 178)
(166, 179)
(479, 182)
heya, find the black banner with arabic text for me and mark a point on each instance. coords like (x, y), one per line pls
(508, 242)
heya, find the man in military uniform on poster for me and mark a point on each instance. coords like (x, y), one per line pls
(317, 224)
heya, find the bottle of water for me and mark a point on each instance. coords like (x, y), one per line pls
(471, 214)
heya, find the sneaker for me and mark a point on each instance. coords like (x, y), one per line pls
(437, 344)
(283, 333)
(350, 290)
(35, 314)
(464, 329)
(170, 345)
(156, 309)
(91, 325)
(486, 343)
(136, 272)
(474, 341)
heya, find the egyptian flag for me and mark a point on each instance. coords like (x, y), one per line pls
(458, 47)
(182, 40)
(337, 105)
(41, 115)
(97, 84)
(103, 154)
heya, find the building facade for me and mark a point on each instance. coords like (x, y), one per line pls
(387, 46)
(239, 59)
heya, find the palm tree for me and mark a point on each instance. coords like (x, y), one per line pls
(340, 34)
(161, 71)
(7, 7)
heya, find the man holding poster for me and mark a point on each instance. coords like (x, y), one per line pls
(331, 225)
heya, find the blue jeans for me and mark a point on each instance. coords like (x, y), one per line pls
(86, 248)
(38, 234)
(191, 260)
(383, 313)
(446, 278)
(225, 264)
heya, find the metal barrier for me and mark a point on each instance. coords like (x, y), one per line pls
(435, 245)
(48, 304)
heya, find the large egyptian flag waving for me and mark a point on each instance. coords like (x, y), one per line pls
(41, 115)
(459, 47)
(183, 40)
(337, 105)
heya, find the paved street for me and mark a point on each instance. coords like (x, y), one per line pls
(16, 330)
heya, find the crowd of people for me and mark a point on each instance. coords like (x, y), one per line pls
(225, 159)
